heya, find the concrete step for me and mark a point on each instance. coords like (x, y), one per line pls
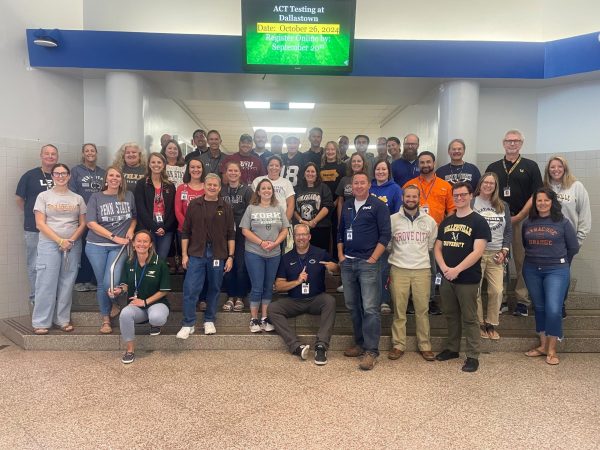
(87, 338)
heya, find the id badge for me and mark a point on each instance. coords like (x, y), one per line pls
(184, 196)
(507, 191)
(425, 209)
(438, 279)
(349, 234)
(158, 218)
(216, 262)
(305, 288)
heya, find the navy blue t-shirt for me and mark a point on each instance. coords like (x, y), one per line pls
(466, 172)
(292, 264)
(30, 185)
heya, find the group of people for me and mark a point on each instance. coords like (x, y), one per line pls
(392, 224)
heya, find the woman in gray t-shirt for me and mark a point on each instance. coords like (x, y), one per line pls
(111, 219)
(60, 218)
(264, 225)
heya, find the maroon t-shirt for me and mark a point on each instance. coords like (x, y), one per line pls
(251, 165)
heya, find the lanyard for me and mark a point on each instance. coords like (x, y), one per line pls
(514, 166)
(302, 265)
(460, 169)
(135, 280)
(48, 182)
(425, 197)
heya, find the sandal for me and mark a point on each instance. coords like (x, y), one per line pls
(552, 360)
(228, 306)
(66, 328)
(239, 305)
(115, 310)
(40, 331)
(534, 352)
(483, 332)
(106, 328)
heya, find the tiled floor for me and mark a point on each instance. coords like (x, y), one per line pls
(259, 399)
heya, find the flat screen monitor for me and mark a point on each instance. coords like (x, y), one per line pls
(298, 36)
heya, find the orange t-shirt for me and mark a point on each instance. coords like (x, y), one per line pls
(436, 197)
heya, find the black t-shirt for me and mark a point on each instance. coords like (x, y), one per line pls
(331, 174)
(239, 199)
(32, 183)
(292, 168)
(310, 156)
(523, 181)
(292, 264)
(458, 235)
(310, 201)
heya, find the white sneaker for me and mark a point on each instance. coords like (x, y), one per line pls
(266, 325)
(81, 287)
(185, 332)
(209, 328)
(340, 288)
(91, 286)
(255, 326)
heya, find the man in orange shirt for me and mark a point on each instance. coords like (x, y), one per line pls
(435, 200)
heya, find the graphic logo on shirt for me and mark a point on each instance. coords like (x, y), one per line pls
(312, 261)
(455, 237)
(92, 181)
(491, 216)
(306, 211)
(151, 274)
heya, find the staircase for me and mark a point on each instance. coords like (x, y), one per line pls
(581, 329)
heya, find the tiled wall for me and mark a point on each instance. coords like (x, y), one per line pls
(16, 157)
(586, 167)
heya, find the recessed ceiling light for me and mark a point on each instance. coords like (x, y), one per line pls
(281, 129)
(295, 105)
(257, 105)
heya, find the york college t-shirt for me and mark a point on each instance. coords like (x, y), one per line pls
(266, 222)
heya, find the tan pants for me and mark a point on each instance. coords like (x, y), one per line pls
(402, 281)
(494, 274)
(518, 255)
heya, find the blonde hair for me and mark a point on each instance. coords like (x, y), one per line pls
(122, 187)
(338, 158)
(495, 199)
(151, 251)
(567, 179)
(120, 156)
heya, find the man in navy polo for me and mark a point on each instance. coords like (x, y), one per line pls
(302, 273)
(364, 232)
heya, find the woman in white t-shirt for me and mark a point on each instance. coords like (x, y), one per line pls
(284, 190)
(488, 204)
(60, 217)
(175, 163)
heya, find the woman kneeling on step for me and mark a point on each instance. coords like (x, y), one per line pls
(146, 280)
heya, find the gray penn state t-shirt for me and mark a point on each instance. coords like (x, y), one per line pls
(266, 223)
(112, 214)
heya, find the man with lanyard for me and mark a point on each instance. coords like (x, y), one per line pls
(407, 167)
(260, 150)
(315, 152)
(293, 161)
(343, 144)
(199, 142)
(361, 143)
(435, 200)
(213, 157)
(364, 233)
(302, 274)
(457, 169)
(30, 185)
(519, 178)
(461, 241)
(207, 251)
(251, 165)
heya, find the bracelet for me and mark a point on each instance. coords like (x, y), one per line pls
(261, 241)
(60, 243)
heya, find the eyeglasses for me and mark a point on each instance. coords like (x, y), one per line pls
(460, 195)
(302, 235)
(60, 174)
(513, 141)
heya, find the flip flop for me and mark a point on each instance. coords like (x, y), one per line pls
(228, 306)
(534, 352)
(40, 331)
(239, 305)
(66, 328)
(552, 360)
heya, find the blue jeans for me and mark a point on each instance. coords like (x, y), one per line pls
(31, 244)
(201, 270)
(547, 286)
(361, 295)
(101, 258)
(237, 282)
(55, 278)
(163, 244)
(383, 279)
(262, 272)
(86, 273)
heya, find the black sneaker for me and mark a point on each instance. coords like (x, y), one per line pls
(128, 358)
(320, 355)
(445, 355)
(521, 310)
(154, 331)
(434, 309)
(410, 308)
(503, 308)
(302, 351)
(470, 365)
